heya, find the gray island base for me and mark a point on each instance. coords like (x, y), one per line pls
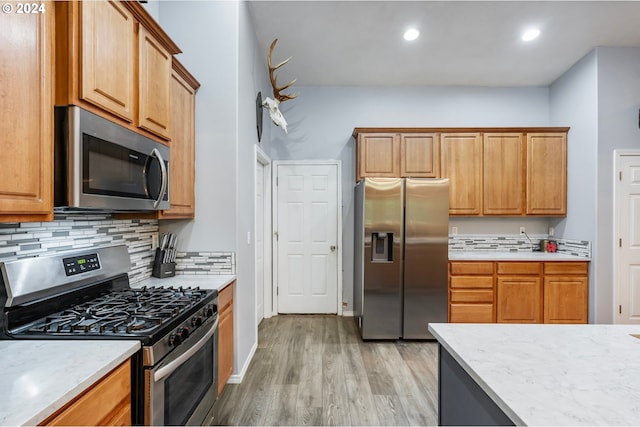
(461, 401)
(538, 374)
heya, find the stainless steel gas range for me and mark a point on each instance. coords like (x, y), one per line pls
(85, 294)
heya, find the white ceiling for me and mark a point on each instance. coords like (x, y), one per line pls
(461, 43)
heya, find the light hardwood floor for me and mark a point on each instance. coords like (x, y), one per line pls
(315, 370)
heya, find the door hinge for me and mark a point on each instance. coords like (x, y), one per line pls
(620, 309)
(275, 233)
(277, 291)
(620, 242)
(620, 175)
(276, 181)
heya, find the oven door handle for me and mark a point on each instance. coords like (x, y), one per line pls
(170, 367)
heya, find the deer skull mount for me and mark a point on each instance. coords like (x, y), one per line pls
(273, 105)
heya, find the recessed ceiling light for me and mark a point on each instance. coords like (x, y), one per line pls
(530, 34)
(411, 34)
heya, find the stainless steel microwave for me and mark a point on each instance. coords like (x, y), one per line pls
(100, 165)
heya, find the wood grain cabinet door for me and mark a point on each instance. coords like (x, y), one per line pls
(420, 155)
(546, 184)
(503, 174)
(225, 336)
(108, 57)
(461, 162)
(182, 165)
(566, 299)
(378, 155)
(154, 85)
(519, 299)
(26, 125)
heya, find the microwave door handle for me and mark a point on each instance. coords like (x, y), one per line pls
(170, 367)
(163, 171)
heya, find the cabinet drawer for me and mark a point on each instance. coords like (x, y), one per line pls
(472, 282)
(471, 313)
(556, 267)
(225, 297)
(462, 268)
(472, 296)
(519, 267)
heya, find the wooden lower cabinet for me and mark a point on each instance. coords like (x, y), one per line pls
(566, 292)
(106, 403)
(518, 292)
(519, 299)
(471, 292)
(225, 336)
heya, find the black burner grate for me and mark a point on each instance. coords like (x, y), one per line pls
(122, 312)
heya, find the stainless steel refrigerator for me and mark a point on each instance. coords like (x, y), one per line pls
(400, 254)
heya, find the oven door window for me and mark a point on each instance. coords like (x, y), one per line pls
(187, 385)
(113, 170)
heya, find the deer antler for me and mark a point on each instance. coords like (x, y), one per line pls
(276, 90)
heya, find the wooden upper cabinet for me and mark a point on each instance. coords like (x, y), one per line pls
(503, 174)
(108, 57)
(155, 81)
(114, 60)
(546, 183)
(420, 155)
(26, 159)
(378, 155)
(461, 162)
(182, 165)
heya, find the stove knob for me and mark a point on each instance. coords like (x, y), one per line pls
(174, 340)
(208, 311)
(196, 321)
(183, 332)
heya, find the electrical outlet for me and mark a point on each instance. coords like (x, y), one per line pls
(454, 231)
(552, 231)
(154, 242)
(522, 232)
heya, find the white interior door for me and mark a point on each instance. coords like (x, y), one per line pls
(627, 270)
(307, 226)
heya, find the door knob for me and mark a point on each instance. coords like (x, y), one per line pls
(333, 248)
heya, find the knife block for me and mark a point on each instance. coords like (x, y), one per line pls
(162, 269)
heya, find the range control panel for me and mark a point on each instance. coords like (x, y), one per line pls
(81, 264)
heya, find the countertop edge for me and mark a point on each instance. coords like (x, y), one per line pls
(206, 281)
(483, 385)
(81, 387)
(515, 256)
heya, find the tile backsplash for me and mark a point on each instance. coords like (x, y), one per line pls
(68, 232)
(580, 248)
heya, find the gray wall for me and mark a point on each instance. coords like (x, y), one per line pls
(618, 105)
(322, 119)
(599, 98)
(206, 32)
(574, 103)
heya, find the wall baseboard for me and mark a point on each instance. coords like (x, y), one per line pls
(347, 314)
(237, 378)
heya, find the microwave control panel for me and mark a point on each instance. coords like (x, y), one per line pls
(81, 264)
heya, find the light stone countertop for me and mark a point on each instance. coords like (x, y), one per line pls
(39, 377)
(204, 281)
(513, 256)
(552, 374)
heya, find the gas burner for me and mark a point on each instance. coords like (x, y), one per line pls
(122, 312)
